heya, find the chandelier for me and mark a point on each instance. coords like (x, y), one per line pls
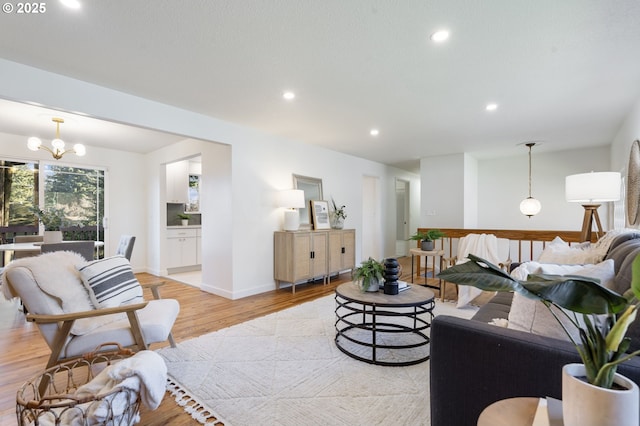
(58, 150)
(530, 206)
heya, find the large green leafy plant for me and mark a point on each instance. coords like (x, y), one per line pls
(605, 315)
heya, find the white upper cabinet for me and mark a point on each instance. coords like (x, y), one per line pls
(178, 182)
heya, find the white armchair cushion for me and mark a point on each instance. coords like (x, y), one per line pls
(110, 282)
(156, 320)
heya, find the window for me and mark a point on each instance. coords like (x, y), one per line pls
(77, 192)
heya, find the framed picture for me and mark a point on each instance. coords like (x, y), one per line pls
(320, 214)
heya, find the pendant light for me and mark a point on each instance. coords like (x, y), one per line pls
(530, 206)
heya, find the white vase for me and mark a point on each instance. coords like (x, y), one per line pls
(185, 222)
(586, 405)
(52, 237)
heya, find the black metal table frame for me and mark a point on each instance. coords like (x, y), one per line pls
(359, 309)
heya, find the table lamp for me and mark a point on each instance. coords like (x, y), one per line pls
(291, 200)
(592, 189)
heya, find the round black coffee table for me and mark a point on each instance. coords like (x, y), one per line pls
(384, 329)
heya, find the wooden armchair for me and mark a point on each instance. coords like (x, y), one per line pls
(68, 321)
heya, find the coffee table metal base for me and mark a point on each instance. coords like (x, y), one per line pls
(388, 331)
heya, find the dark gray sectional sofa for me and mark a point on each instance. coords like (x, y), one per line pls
(474, 364)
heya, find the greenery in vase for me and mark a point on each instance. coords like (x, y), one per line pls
(51, 219)
(430, 235)
(367, 271)
(606, 315)
(338, 212)
(183, 216)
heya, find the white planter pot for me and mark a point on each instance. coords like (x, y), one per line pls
(587, 405)
(184, 222)
(52, 237)
(371, 285)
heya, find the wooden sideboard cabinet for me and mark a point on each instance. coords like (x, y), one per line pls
(342, 250)
(307, 255)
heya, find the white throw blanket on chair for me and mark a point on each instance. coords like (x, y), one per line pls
(481, 245)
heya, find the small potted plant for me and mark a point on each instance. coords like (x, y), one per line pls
(368, 275)
(427, 238)
(337, 216)
(602, 317)
(184, 218)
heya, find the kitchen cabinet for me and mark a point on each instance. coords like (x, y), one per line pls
(342, 250)
(178, 182)
(300, 256)
(182, 248)
(198, 246)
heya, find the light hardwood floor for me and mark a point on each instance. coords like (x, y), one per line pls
(24, 353)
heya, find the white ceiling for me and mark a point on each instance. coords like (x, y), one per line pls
(564, 72)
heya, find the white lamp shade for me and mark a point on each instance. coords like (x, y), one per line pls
(291, 198)
(593, 187)
(530, 206)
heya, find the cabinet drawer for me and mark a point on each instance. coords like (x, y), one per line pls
(182, 233)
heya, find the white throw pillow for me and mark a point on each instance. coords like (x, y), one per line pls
(111, 282)
(533, 316)
(560, 252)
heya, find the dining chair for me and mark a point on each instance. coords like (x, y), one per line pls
(85, 248)
(125, 246)
(27, 239)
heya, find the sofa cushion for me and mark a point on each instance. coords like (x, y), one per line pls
(497, 307)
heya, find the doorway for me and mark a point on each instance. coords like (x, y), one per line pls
(371, 222)
(402, 217)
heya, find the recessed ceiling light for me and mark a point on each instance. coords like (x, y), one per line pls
(289, 95)
(440, 36)
(71, 4)
(374, 132)
(491, 107)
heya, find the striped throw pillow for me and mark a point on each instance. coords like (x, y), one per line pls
(110, 282)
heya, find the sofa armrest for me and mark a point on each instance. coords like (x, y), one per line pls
(474, 364)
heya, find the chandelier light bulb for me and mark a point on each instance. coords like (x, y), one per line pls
(79, 149)
(34, 143)
(58, 144)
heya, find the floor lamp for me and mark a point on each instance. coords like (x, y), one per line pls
(591, 189)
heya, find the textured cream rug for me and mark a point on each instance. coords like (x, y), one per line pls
(284, 369)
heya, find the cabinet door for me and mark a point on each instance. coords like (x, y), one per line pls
(178, 182)
(319, 262)
(301, 256)
(335, 251)
(189, 251)
(174, 252)
(349, 252)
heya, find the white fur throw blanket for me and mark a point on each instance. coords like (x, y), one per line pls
(56, 274)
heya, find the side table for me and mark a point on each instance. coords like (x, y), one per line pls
(435, 254)
(509, 412)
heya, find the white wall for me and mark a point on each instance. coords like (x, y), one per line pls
(254, 170)
(442, 191)
(503, 183)
(628, 132)
(126, 191)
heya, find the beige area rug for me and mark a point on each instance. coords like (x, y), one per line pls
(284, 369)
